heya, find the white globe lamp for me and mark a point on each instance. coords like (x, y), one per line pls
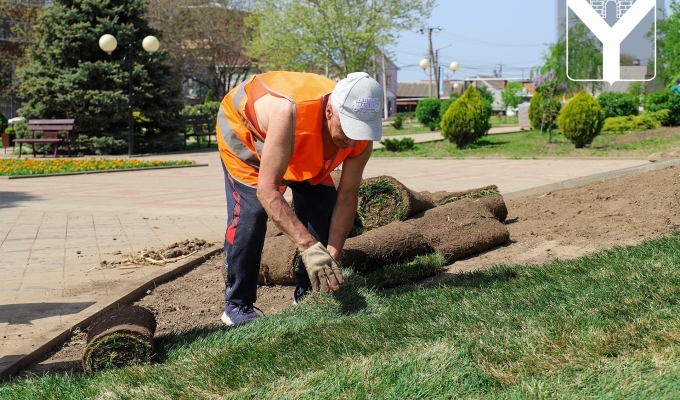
(108, 43)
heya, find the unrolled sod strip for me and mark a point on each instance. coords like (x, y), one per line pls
(118, 338)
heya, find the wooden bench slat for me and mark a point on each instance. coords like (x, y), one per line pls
(54, 128)
(51, 121)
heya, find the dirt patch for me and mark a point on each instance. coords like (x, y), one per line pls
(562, 224)
(167, 255)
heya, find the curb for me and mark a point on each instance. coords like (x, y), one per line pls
(13, 364)
(577, 182)
(106, 171)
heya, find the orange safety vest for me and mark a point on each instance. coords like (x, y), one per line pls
(240, 140)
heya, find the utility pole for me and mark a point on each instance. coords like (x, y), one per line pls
(437, 71)
(433, 61)
(384, 84)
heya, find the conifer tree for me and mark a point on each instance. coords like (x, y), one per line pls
(69, 76)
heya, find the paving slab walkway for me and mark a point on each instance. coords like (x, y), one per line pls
(56, 231)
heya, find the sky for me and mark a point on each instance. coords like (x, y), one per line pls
(483, 36)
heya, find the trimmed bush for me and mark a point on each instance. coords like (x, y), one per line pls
(398, 145)
(617, 104)
(665, 99)
(536, 115)
(427, 112)
(466, 120)
(581, 120)
(398, 121)
(634, 123)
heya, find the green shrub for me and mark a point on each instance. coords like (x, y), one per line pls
(427, 112)
(617, 104)
(210, 109)
(665, 99)
(398, 121)
(446, 104)
(3, 119)
(634, 123)
(398, 145)
(581, 120)
(536, 115)
(466, 120)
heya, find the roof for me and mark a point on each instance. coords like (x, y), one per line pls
(422, 89)
(495, 83)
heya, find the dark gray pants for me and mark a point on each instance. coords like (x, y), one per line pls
(247, 226)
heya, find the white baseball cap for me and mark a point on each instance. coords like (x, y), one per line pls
(359, 101)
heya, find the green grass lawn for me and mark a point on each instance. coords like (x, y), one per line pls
(501, 121)
(605, 325)
(410, 128)
(534, 144)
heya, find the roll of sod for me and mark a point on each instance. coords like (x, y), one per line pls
(278, 263)
(119, 338)
(489, 196)
(384, 199)
(460, 229)
(389, 244)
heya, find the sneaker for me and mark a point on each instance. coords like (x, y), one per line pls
(235, 314)
(300, 293)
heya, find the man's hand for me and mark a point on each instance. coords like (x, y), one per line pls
(322, 268)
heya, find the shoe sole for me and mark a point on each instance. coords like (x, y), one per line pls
(226, 320)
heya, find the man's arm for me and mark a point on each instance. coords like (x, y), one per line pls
(276, 153)
(347, 201)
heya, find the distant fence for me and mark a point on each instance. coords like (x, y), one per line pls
(9, 106)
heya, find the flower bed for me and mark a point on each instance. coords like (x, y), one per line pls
(13, 167)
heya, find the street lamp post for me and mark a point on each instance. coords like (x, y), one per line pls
(108, 43)
(454, 66)
(425, 65)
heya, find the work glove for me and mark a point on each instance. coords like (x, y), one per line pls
(321, 268)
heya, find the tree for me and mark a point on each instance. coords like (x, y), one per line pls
(333, 36)
(627, 60)
(510, 97)
(585, 58)
(19, 20)
(69, 76)
(205, 41)
(668, 45)
(549, 88)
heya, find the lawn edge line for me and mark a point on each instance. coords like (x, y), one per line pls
(100, 171)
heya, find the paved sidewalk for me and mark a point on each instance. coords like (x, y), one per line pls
(55, 231)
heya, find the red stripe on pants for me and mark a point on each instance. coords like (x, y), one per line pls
(236, 212)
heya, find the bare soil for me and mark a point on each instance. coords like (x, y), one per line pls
(562, 224)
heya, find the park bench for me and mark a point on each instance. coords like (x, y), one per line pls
(201, 125)
(54, 131)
